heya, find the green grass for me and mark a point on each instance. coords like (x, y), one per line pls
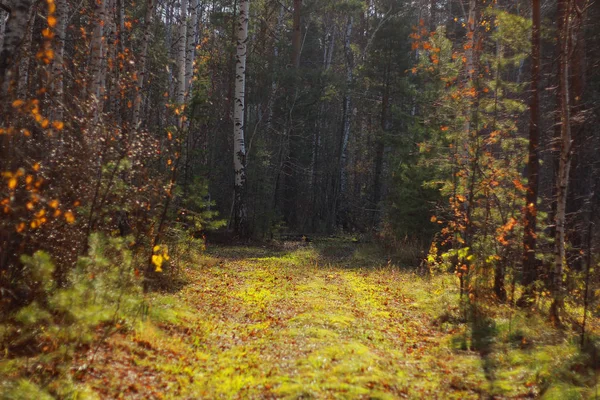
(328, 320)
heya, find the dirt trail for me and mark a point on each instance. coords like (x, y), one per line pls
(284, 325)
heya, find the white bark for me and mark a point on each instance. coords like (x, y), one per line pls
(191, 42)
(239, 146)
(180, 54)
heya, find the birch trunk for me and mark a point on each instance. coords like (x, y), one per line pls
(564, 165)
(14, 33)
(239, 147)
(191, 42)
(137, 105)
(180, 54)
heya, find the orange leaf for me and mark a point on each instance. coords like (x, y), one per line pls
(69, 217)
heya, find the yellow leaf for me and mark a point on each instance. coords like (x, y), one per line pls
(157, 260)
(18, 103)
(51, 21)
(58, 125)
(53, 203)
(20, 227)
(156, 248)
(36, 167)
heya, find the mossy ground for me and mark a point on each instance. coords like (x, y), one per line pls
(325, 320)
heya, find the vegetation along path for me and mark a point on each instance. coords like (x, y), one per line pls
(310, 322)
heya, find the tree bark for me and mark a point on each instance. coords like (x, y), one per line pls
(564, 166)
(239, 145)
(97, 51)
(137, 105)
(530, 272)
(296, 34)
(346, 123)
(13, 36)
(62, 11)
(26, 56)
(192, 29)
(180, 57)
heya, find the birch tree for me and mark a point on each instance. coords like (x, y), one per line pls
(239, 146)
(180, 55)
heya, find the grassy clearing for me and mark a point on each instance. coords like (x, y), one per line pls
(320, 321)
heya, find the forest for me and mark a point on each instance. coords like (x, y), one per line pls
(349, 199)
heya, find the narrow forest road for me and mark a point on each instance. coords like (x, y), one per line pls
(255, 323)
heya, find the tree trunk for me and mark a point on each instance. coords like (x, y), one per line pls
(62, 11)
(192, 28)
(564, 165)
(137, 105)
(3, 17)
(346, 121)
(380, 145)
(26, 56)
(530, 272)
(13, 35)
(296, 34)
(96, 89)
(180, 57)
(239, 146)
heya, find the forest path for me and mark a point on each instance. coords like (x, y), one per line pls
(258, 323)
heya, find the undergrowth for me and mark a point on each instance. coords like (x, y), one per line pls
(316, 321)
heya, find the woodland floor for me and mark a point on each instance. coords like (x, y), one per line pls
(326, 321)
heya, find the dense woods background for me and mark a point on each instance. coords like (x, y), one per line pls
(463, 131)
